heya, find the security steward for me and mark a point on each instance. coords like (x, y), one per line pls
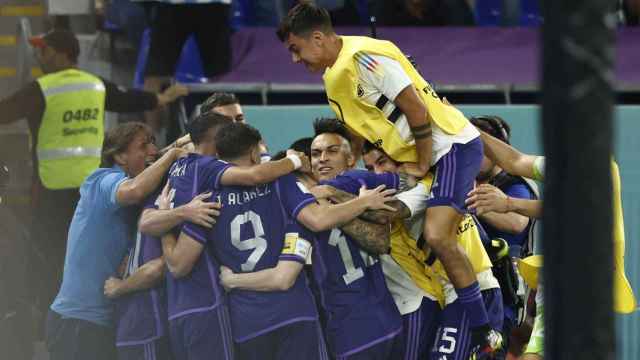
(65, 112)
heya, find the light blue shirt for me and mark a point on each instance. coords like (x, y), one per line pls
(99, 235)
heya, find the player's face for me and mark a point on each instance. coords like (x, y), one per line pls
(307, 50)
(378, 162)
(45, 57)
(330, 156)
(140, 152)
(486, 170)
(233, 111)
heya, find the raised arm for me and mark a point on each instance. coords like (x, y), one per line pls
(487, 198)
(508, 158)
(318, 217)
(134, 191)
(382, 217)
(147, 276)
(265, 172)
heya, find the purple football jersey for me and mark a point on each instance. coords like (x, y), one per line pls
(142, 316)
(353, 291)
(249, 236)
(200, 290)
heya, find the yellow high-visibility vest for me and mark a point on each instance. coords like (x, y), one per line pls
(368, 121)
(72, 128)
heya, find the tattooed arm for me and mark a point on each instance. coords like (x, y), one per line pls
(371, 237)
(373, 216)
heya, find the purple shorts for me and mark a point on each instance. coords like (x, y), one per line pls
(419, 330)
(299, 340)
(157, 349)
(453, 337)
(390, 349)
(455, 174)
(199, 335)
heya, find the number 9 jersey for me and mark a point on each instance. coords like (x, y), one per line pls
(249, 236)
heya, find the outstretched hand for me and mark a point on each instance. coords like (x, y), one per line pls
(487, 198)
(377, 199)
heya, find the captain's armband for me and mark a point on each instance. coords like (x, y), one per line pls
(295, 246)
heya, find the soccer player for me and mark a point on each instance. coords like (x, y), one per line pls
(452, 340)
(377, 92)
(140, 299)
(249, 236)
(199, 322)
(362, 319)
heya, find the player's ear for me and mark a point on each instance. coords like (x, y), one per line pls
(317, 37)
(120, 159)
(351, 160)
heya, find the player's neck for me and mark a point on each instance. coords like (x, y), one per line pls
(241, 161)
(333, 49)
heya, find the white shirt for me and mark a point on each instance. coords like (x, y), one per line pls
(388, 78)
(416, 201)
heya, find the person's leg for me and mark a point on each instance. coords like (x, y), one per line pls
(176, 339)
(213, 36)
(169, 31)
(454, 179)
(74, 339)
(133, 352)
(389, 349)
(300, 340)
(258, 348)
(95, 341)
(61, 337)
(207, 333)
(453, 335)
(430, 313)
(535, 347)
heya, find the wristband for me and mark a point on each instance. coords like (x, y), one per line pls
(295, 159)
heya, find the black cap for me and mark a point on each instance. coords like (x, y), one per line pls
(63, 41)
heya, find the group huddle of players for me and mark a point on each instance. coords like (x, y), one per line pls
(395, 266)
(239, 289)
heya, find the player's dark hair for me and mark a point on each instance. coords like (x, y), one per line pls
(331, 126)
(303, 19)
(302, 145)
(218, 99)
(368, 147)
(202, 123)
(117, 140)
(493, 125)
(235, 140)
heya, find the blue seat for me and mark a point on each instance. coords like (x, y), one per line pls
(488, 12)
(188, 69)
(530, 14)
